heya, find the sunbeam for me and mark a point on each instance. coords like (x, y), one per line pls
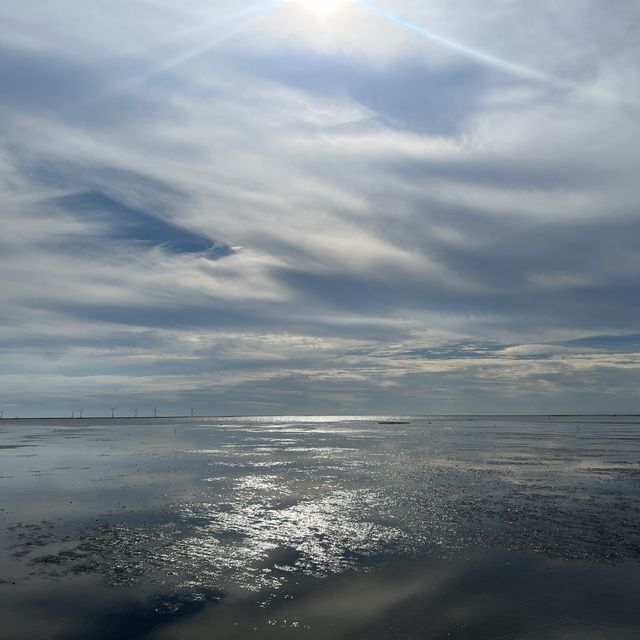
(481, 56)
(238, 22)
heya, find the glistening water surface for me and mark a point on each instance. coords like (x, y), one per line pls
(446, 527)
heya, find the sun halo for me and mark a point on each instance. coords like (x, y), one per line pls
(323, 8)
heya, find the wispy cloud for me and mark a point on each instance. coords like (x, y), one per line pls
(318, 215)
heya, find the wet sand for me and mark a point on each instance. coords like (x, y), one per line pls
(492, 527)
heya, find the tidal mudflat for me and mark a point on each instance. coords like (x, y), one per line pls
(434, 527)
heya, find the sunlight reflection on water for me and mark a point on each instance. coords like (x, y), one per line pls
(194, 511)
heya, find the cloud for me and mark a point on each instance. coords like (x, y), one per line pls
(118, 222)
(445, 235)
(406, 93)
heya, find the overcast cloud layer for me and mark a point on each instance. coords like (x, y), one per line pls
(261, 208)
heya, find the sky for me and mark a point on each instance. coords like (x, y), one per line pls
(339, 207)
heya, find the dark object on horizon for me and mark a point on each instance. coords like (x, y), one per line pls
(113, 412)
(192, 413)
(395, 422)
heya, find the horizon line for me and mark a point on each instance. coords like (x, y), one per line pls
(322, 415)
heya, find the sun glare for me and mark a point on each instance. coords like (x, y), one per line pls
(323, 8)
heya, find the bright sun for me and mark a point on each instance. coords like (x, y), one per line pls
(323, 8)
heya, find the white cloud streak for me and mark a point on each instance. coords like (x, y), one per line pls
(361, 227)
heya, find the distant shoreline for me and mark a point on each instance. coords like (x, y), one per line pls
(337, 416)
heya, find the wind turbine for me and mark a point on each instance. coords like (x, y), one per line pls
(155, 413)
(81, 412)
(1, 414)
(113, 412)
(135, 413)
(192, 413)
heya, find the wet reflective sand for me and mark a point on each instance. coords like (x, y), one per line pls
(321, 528)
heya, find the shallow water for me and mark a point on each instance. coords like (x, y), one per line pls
(492, 527)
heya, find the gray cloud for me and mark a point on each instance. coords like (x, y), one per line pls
(318, 218)
(120, 223)
(406, 94)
